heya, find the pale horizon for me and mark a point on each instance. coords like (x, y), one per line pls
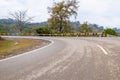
(102, 12)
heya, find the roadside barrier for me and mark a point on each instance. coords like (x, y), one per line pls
(79, 34)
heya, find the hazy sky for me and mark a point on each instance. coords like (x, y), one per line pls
(102, 12)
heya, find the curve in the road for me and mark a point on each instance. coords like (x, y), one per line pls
(67, 59)
(51, 42)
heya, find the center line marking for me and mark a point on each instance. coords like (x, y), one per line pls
(105, 52)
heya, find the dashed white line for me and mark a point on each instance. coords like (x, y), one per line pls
(105, 52)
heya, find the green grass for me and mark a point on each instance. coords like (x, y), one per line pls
(10, 48)
(5, 44)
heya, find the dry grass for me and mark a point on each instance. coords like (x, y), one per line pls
(5, 44)
(17, 46)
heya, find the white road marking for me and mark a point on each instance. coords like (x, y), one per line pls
(52, 42)
(105, 52)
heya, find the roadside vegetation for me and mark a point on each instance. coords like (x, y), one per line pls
(11, 47)
(110, 32)
(43, 30)
(59, 23)
(5, 44)
(60, 15)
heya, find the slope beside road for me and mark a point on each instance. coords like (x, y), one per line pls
(66, 59)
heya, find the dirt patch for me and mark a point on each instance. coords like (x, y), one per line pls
(20, 46)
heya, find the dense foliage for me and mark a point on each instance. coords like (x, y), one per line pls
(43, 30)
(60, 15)
(110, 31)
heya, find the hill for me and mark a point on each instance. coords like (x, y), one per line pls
(7, 23)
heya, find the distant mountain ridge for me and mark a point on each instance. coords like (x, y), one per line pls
(75, 25)
(13, 22)
(7, 21)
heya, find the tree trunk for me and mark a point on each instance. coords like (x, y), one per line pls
(61, 25)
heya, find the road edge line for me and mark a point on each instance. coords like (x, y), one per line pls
(25, 53)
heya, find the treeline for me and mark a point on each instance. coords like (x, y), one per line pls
(58, 23)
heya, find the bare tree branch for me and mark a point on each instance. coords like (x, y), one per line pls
(22, 19)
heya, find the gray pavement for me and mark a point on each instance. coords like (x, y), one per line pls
(76, 58)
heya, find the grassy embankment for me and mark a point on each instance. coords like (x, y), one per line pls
(17, 46)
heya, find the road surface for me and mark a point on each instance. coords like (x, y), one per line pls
(66, 59)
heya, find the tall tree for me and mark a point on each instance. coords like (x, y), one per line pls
(22, 19)
(60, 15)
(85, 28)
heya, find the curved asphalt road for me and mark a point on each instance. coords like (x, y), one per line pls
(66, 59)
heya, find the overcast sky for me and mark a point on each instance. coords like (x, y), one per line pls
(102, 12)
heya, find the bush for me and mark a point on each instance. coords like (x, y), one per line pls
(110, 31)
(3, 32)
(43, 30)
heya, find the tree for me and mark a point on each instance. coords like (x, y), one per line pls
(22, 19)
(85, 28)
(110, 31)
(60, 15)
(13, 29)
